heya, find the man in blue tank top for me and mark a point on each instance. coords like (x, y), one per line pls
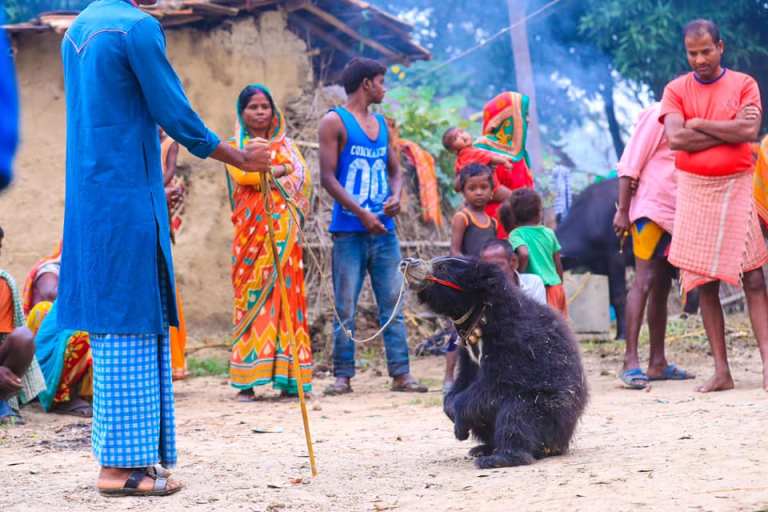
(360, 171)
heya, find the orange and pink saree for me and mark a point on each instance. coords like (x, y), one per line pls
(261, 353)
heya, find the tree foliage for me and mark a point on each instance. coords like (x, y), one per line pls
(423, 117)
(447, 28)
(582, 45)
(643, 38)
(562, 58)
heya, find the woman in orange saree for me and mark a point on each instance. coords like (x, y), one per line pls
(505, 129)
(261, 353)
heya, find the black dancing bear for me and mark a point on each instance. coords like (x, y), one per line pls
(521, 387)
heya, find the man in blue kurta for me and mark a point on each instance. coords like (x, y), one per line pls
(9, 109)
(116, 268)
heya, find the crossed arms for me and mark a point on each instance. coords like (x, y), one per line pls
(700, 134)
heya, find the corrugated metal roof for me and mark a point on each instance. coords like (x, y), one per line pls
(340, 28)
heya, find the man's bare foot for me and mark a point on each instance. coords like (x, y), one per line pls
(115, 478)
(408, 384)
(656, 370)
(668, 371)
(717, 383)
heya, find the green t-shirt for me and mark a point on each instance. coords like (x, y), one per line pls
(542, 245)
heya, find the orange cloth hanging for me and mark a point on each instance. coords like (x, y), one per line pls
(429, 189)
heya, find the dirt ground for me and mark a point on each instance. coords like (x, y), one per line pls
(665, 449)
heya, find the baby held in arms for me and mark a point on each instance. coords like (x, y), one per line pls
(459, 142)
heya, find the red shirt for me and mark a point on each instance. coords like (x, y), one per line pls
(720, 100)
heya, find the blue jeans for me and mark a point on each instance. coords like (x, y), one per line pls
(354, 255)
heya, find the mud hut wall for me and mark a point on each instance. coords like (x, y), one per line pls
(213, 66)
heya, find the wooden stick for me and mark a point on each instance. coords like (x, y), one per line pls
(266, 190)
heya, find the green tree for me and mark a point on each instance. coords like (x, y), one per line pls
(423, 117)
(644, 37)
(563, 58)
(584, 45)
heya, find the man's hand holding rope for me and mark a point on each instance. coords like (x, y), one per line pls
(257, 156)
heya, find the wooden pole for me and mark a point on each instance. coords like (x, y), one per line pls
(524, 77)
(285, 308)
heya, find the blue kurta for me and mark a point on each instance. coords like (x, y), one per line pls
(9, 109)
(119, 87)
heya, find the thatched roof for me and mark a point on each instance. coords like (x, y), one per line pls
(337, 29)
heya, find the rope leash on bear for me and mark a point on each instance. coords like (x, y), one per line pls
(292, 207)
(468, 325)
(414, 269)
(266, 189)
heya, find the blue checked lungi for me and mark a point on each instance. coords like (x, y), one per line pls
(133, 409)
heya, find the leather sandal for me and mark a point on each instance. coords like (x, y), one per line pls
(131, 486)
(158, 471)
(336, 389)
(410, 386)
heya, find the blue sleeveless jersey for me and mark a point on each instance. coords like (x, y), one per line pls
(362, 171)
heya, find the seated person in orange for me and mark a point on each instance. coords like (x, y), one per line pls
(20, 379)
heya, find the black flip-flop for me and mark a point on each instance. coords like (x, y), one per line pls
(131, 486)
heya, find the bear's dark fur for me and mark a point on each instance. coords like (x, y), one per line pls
(524, 399)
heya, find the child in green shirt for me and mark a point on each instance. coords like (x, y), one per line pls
(536, 245)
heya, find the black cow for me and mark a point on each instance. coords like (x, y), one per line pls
(588, 241)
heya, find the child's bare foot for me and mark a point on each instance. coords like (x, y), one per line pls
(717, 383)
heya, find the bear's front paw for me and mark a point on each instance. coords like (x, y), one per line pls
(481, 450)
(460, 431)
